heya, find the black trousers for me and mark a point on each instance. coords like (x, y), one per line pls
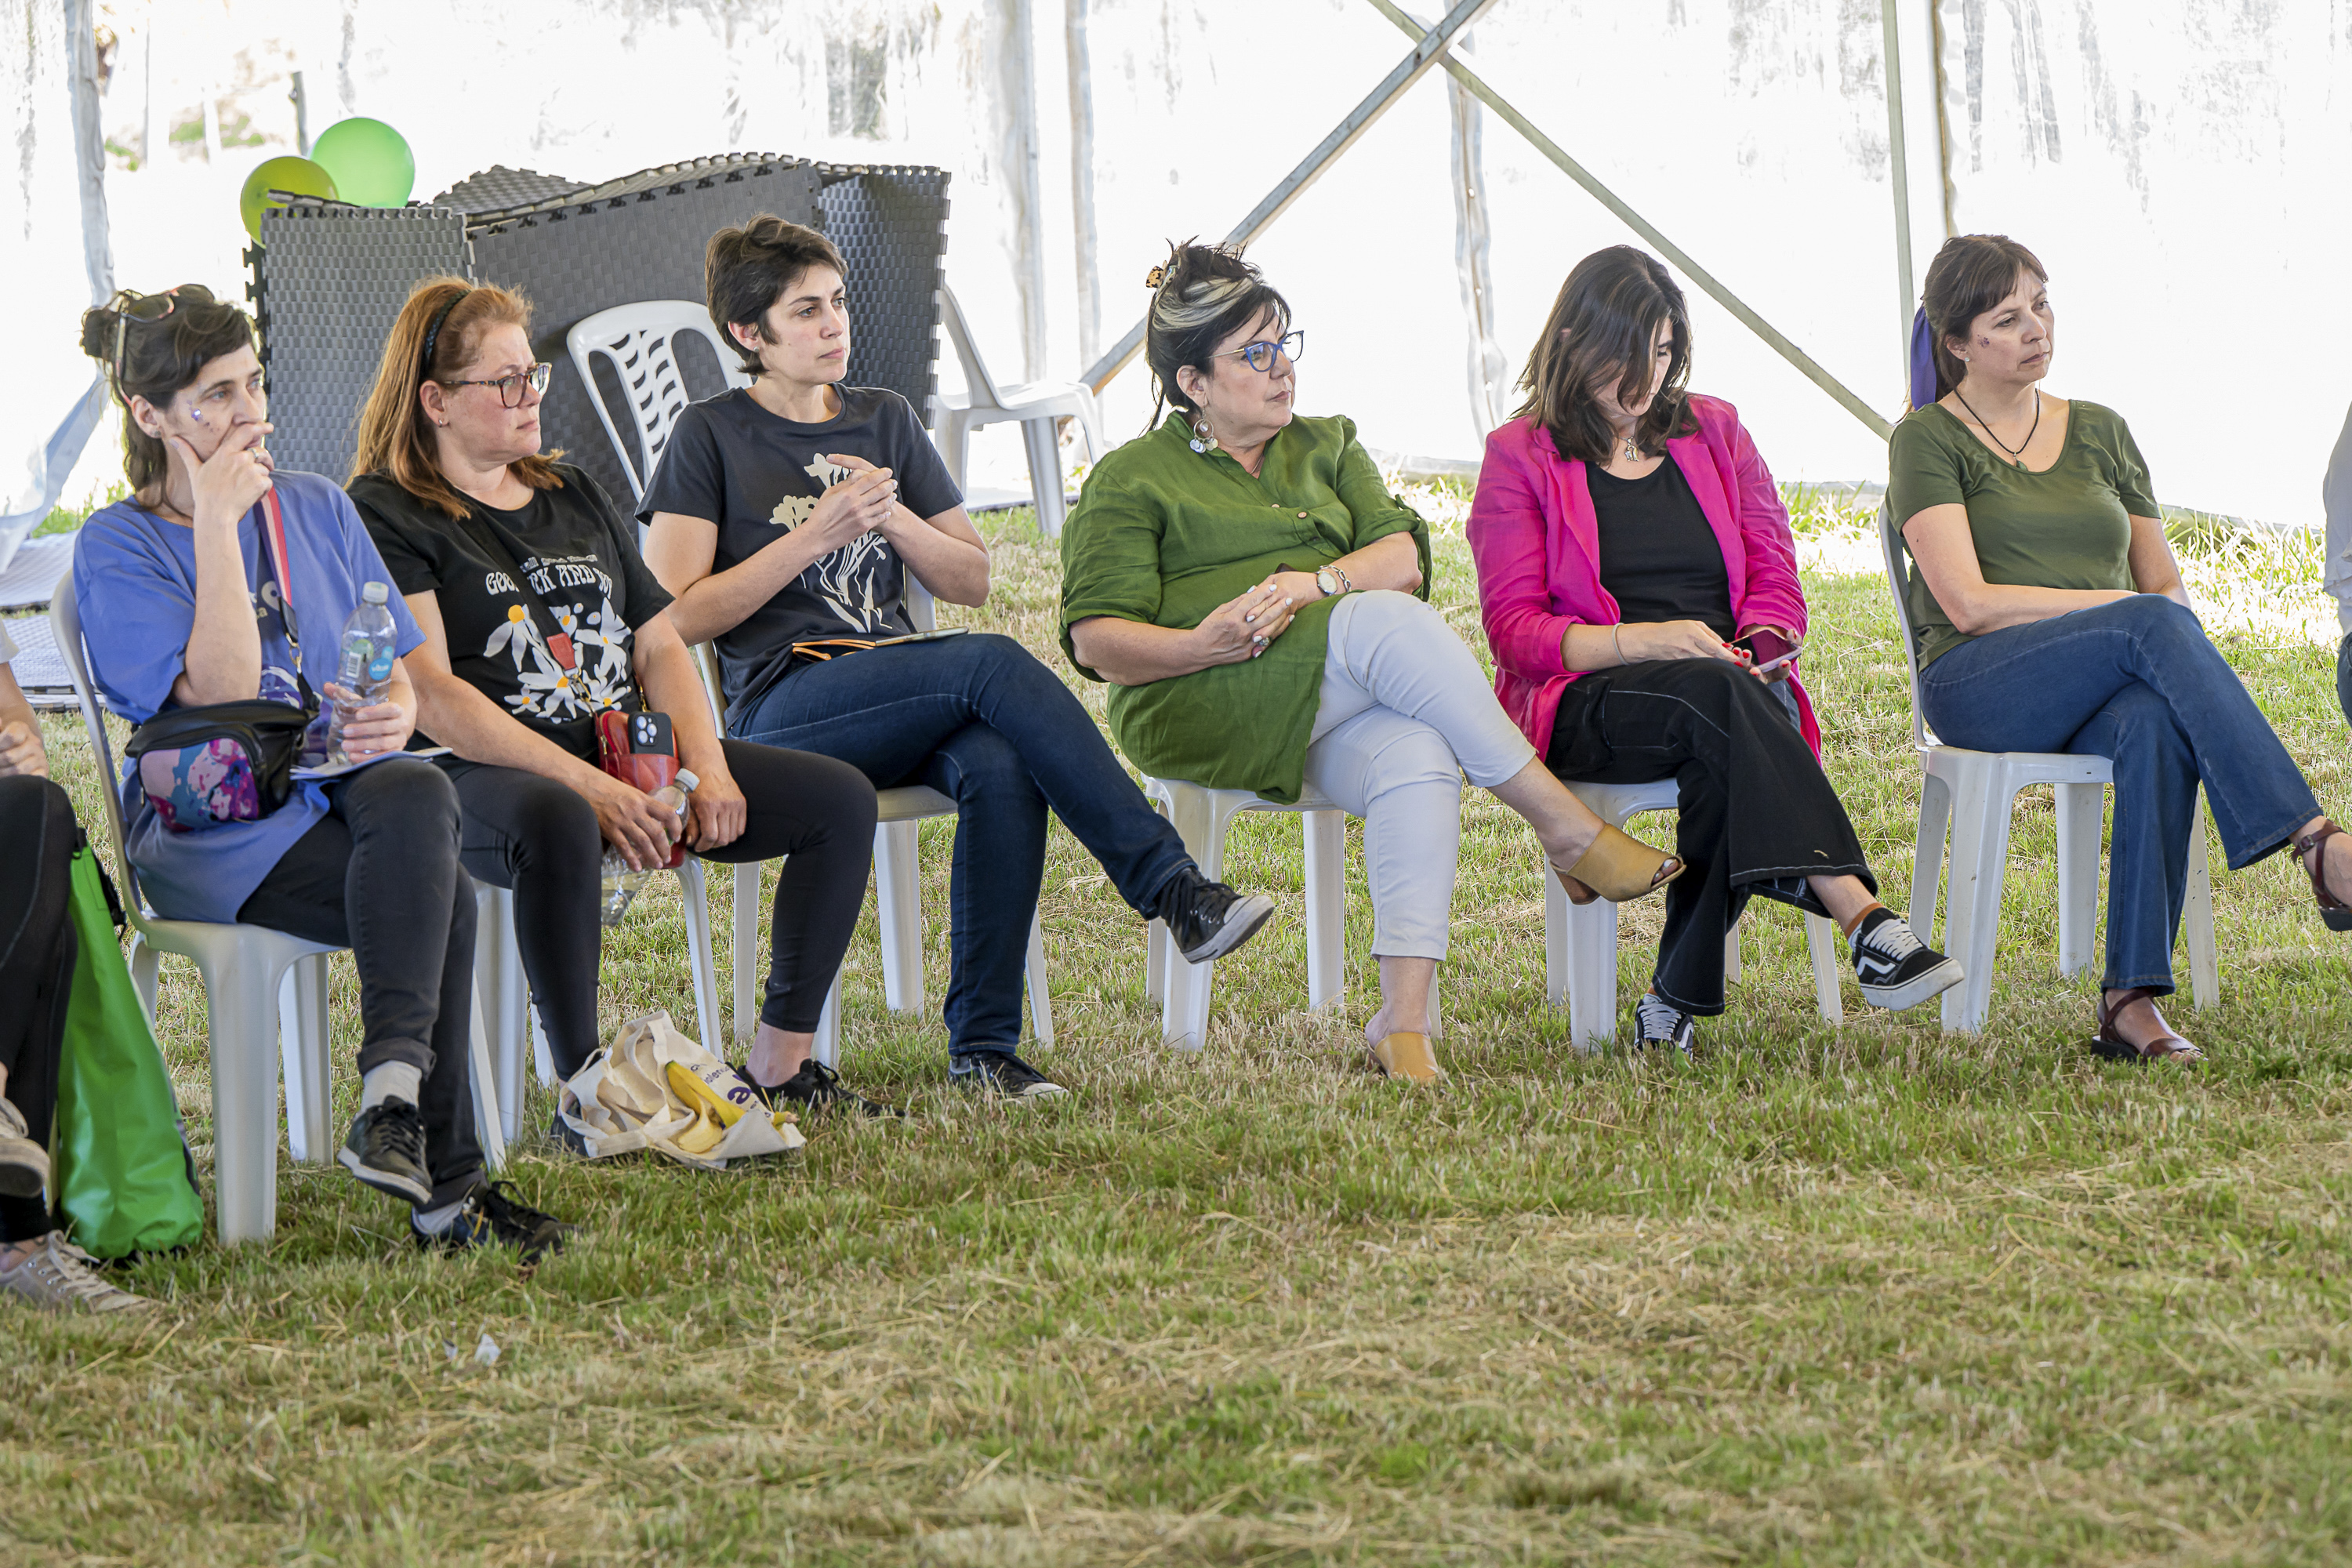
(539, 838)
(1757, 814)
(37, 952)
(379, 874)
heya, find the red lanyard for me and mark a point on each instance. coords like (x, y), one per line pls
(273, 539)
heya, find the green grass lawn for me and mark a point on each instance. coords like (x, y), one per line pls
(1867, 1294)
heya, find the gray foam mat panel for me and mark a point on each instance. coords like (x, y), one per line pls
(891, 226)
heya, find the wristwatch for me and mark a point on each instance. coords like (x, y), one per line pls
(1331, 579)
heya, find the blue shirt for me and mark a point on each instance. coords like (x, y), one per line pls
(134, 578)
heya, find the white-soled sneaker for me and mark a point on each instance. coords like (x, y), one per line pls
(59, 1276)
(24, 1164)
(1661, 1029)
(1896, 968)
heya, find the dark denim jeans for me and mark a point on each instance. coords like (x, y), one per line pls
(2140, 682)
(978, 719)
(2344, 676)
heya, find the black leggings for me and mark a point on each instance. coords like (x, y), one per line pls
(379, 874)
(37, 951)
(539, 838)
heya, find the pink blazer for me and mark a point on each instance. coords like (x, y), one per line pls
(1536, 544)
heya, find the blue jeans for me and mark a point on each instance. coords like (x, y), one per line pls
(2344, 676)
(978, 719)
(2140, 682)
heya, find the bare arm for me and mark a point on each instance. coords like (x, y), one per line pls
(2152, 564)
(1947, 553)
(1589, 648)
(223, 662)
(20, 732)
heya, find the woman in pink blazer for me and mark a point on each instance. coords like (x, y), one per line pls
(1638, 585)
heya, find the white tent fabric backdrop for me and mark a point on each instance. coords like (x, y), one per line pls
(2178, 167)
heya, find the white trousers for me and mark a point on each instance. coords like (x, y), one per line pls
(1405, 711)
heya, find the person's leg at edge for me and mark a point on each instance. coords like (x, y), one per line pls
(2148, 847)
(38, 950)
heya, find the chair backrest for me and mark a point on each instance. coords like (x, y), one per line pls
(982, 388)
(1890, 542)
(636, 340)
(65, 627)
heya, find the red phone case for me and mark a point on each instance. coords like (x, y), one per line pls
(648, 771)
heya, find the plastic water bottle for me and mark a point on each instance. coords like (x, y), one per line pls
(622, 884)
(363, 663)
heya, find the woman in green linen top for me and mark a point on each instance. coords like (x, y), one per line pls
(1256, 598)
(2050, 617)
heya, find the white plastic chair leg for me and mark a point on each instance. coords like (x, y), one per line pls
(1325, 833)
(1555, 940)
(1821, 937)
(749, 963)
(2197, 919)
(899, 906)
(1927, 854)
(490, 1120)
(2081, 807)
(1038, 436)
(504, 999)
(303, 1042)
(1155, 961)
(1980, 860)
(1731, 970)
(1592, 974)
(1200, 819)
(145, 961)
(241, 996)
(955, 443)
(542, 1057)
(826, 1048)
(697, 945)
(1041, 998)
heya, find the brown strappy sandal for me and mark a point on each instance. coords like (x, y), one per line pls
(2165, 1047)
(2332, 909)
(1618, 868)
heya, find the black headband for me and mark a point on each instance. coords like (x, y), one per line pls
(433, 333)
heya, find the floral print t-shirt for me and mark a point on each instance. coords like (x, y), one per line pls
(556, 671)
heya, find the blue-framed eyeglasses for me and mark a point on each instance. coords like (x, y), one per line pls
(1261, 355)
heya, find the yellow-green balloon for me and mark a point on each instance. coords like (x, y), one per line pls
(299, 176)
(370, 160)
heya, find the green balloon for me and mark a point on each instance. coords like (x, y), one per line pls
(298, 175)
(370, 160)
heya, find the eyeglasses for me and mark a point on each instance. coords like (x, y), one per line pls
(1261, 355)
(511, 386)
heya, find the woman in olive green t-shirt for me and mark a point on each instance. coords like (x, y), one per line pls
(1246, 584)
(2051, 616)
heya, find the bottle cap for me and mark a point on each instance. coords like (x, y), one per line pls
(375, 592)
(686, 780)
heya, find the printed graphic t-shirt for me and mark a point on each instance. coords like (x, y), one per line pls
(758, 477)
(579, 556)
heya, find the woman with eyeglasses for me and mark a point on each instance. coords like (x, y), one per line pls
(187, 601)
(1255, 597)
(538, 614)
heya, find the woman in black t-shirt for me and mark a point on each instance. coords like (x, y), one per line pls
(539, 614)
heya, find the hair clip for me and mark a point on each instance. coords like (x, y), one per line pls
(1155, 277)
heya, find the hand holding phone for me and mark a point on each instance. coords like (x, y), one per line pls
(1769, 654)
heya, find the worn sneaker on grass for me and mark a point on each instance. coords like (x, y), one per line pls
(1208, 919)
(1661, 1029)
(59, 1274)
(24, 1164)
(493, 1218)
(385, 1149)
(564, 1138)
(1896, 968)
(1000, 1072)
(814, 1087)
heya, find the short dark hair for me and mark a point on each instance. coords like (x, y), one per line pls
(156, 356)
(1202, 295)
(746, 271)
(1603, 323)
(1970, 275)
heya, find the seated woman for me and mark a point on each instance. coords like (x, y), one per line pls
(1248, 586)
(184, 606)
(38, 954)
(2050, 617)
(787, 518)
(538, 614)
(1632, 548)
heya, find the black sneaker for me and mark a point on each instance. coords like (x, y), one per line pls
(1000, 1072)
(491, 1218)
(568, 1140)
(1896, 968)
(1659, 1025)
(814, 1087)
(385, 1149)
(1208, 919)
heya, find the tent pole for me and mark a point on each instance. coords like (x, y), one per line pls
(1899, 163)
(1426, 53)
(1847, 398)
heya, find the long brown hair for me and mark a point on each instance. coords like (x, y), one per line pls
(152, 346)
(1970, 275)
(1602, 324)
(447, 316)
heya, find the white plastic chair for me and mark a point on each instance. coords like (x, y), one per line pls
(1581, 943)
(1201, 816)
(1038, 405)
(635, 338)
(243, 968)
(1972, 794)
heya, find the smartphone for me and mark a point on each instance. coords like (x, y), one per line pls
(1768, 650)
(941, 633)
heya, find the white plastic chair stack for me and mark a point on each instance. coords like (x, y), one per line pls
(1581, 943)
(1201, 816)
(248, 971)
(1972, 794)
(1038, 405)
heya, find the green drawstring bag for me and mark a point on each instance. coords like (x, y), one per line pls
(123, 1176)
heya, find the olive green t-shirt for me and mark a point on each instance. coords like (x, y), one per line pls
(2068, 526)
(1165, 534)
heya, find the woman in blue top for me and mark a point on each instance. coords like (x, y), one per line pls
(182, 606)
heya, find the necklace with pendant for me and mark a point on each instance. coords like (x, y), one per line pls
(1632, 453)
(2017, 454)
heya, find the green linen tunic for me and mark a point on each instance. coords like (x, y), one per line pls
(1165, 534)
(2068, 526)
